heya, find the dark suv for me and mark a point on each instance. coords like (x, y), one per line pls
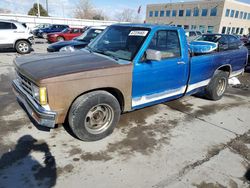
(42, 33)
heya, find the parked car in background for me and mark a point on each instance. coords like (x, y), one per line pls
(66, 34)
(225, 41)
(15, 35)
(78, 42)
(42, 33)
(40, 26)
(191, 35)
(128, 67)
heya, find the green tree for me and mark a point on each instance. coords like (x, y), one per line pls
(34, 10)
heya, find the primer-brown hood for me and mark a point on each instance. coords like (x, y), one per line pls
(41, 66)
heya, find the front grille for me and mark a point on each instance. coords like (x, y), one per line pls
(25, 83)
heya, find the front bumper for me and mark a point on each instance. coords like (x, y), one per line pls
(38, 113)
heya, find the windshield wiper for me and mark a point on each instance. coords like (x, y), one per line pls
(112, 56)
(89, 49)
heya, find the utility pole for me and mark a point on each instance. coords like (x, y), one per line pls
(47, 6)
(38, 8)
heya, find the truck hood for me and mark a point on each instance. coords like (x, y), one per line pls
(42, 66)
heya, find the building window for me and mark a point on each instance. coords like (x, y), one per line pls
(237, 14)
(232, 14)
(204, 12)
(228, 30)
(237, 30)
(188, 12)
(196, 11)
(210, 29)
(179, 25)
(193, 27)
(248, 17)
(151, 13)
(241, 30)
(202, 28)
(181, 13)
(186, 27)
(233, 30)
(223, 30)
(162, 13)
(227, 12)
(245, 15)
(213, 11)
(156, 13)
(241, 15)
(168, 13)
(173, 13)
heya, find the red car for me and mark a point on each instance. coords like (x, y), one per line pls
(66, 34)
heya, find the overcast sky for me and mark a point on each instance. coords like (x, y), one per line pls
(65, 8)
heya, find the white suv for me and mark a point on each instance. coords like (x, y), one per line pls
(15, 35)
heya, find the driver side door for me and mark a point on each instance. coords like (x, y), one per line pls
(157, 81)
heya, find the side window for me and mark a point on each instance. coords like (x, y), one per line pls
(233, 43)
(192, 34)
(5, 25)
(13, 26)
(167, 42)
(199, 33)
(223, 44)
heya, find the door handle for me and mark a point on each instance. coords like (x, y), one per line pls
(181, 63)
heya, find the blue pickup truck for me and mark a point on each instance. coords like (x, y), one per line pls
(127, 67)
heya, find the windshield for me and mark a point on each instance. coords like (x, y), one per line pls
(120, 42)
(88, 35)
(66, 30)
(209, 38)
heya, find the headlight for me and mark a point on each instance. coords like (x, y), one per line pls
(67, 49)
(40, 94)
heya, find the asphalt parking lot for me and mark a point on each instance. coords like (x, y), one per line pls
(190, 142)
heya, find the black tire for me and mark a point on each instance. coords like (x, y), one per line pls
(23, 47)
(217, 86)
(90, 107)
(59, 38)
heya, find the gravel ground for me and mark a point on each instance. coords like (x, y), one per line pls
(190, 142)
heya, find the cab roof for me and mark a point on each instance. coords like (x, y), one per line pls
(150, 26)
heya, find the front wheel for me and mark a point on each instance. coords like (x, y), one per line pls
(23, 47)
(60, 38)
(94, 115)
(217, 86)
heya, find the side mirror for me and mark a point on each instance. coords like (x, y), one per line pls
(153, 55)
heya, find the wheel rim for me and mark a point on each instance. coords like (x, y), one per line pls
(23, 47)
(60, 39)
(99, 118)
(221, 86)
(44, 35)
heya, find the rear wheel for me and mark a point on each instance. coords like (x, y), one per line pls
(23, 47)
(94, 115)
(217, 86)
(60, 38)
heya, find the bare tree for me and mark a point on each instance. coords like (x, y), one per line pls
(127, 15)
(4, 11)
(85, 10)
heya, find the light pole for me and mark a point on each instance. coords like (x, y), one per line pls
(38, 8)
(47, 6)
